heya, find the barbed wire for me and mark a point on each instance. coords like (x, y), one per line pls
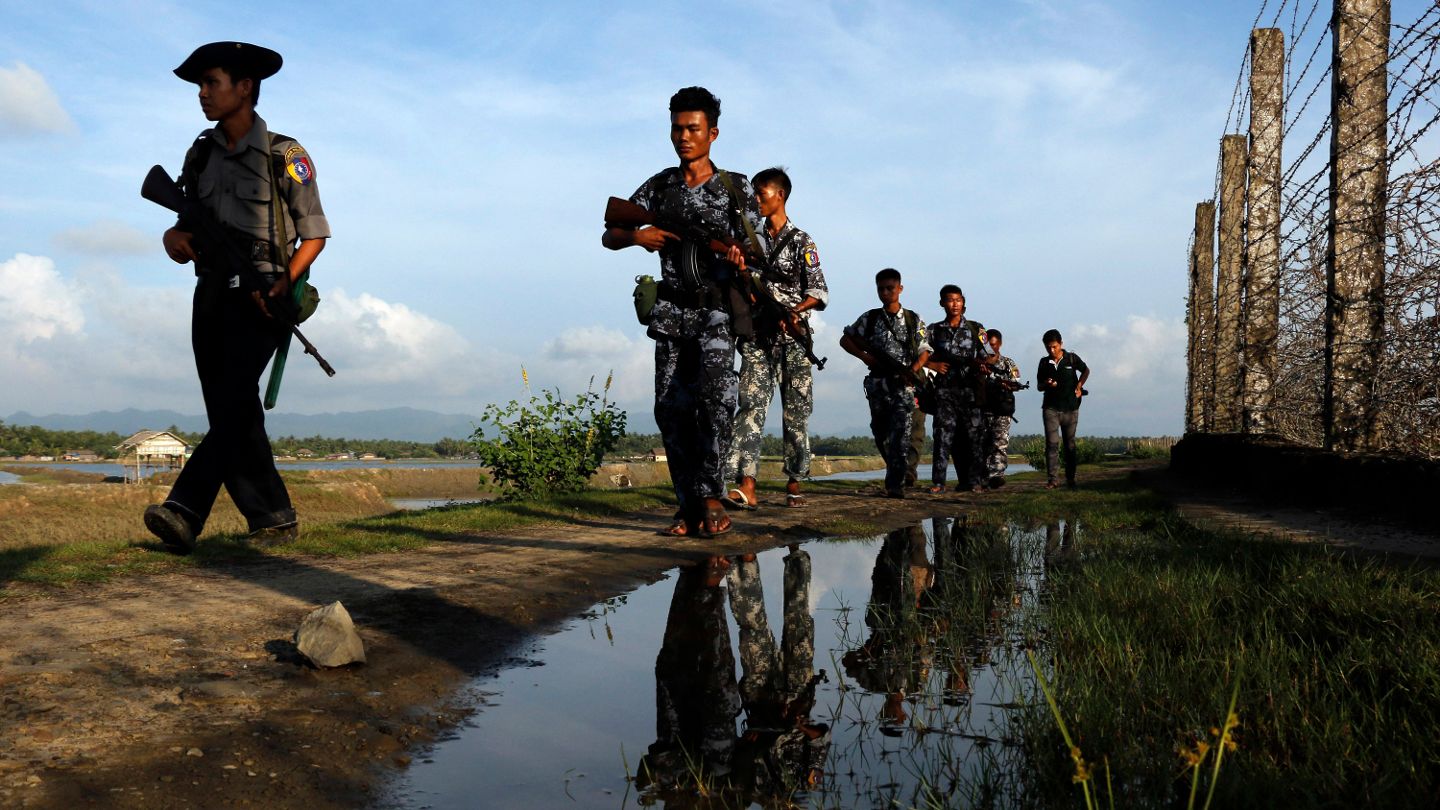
(1406, 388)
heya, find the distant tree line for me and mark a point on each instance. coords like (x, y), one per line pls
(384, 448)
(30, 440)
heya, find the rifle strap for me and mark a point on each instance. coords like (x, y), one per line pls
(780, 245)
(739, 208)
(912, 344)
(277, 214)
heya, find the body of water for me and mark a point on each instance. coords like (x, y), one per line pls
(116, 469)
(833, 674)
(870, 475)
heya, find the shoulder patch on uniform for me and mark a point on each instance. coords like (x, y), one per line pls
(298, 166)
(812, 255)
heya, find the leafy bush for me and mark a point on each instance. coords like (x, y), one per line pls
(548, 444)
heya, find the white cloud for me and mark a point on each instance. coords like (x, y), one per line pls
(107, 238)
(381, 342)
(35, 303)
(28, 105)
(1147, 349)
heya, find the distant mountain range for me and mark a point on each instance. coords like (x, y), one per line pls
(404, 424)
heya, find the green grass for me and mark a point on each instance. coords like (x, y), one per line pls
(97, 561)
(1148, 623)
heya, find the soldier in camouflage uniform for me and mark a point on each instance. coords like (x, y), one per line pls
(959, 349)
(775, 356)
(891, 661)
(890, 341)
(695, 385)
(998, 409)
(696, 699)
(781, 747)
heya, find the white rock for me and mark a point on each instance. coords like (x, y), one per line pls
(328, 638)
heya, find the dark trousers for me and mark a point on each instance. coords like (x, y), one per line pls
(1060, 424)
(232, 342)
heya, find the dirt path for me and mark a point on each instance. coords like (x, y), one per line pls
(184, 690)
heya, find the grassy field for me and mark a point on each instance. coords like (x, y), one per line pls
(1149, 624)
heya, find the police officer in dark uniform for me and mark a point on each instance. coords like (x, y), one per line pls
(696, 391)
(261, 185)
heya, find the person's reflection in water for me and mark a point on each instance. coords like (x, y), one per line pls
(696, 699)
(887, 661)
(951, 540)
(1059, 537)
(781, 748)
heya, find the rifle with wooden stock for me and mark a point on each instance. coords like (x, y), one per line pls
(217, 247)
(620, 213)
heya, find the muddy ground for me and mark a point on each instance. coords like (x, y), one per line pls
(184, 690)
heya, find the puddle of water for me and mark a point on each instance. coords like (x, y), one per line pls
(8, 478)
(837, 674)
(868, 475)
(411, 504)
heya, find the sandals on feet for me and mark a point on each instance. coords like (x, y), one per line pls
(679, 527)
(937, 489)
(794, 500)
(715, 523)
(737, 499)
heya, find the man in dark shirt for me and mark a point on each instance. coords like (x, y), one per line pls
(1061, 378)
(262, 185)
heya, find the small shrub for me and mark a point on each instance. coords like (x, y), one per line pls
(548, 444)
(1086, 452)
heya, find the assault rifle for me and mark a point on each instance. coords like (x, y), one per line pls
(625, 214)
(219, 250)
(887, 366)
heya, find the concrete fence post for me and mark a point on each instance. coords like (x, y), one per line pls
(1262, 229)
(1226, 374)
(1355, 264)
(1200, 405)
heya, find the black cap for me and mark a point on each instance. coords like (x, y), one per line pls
(254, 61)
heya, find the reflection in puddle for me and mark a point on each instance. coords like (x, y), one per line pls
(412, 504)
(891, 682)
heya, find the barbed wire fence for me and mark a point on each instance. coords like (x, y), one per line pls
(1398, 370)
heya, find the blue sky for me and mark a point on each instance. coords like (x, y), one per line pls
(1046, 156)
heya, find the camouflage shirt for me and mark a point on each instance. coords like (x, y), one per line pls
(794, 273)
(958, 346)
(891, 335)
(708, 206)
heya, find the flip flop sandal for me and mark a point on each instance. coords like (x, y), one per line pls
(736, 499)
(794, 500)
(937, 489)
(715, 517)
(679, 528)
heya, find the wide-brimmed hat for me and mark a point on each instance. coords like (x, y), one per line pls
(252, 60)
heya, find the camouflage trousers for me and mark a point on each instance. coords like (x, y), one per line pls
(695, 399)
(997, 441)
(761, 369)
(959, 430)
(891, 404)
(768, 674)
(917, 446)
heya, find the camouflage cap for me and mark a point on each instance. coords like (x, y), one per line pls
(257, 62)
